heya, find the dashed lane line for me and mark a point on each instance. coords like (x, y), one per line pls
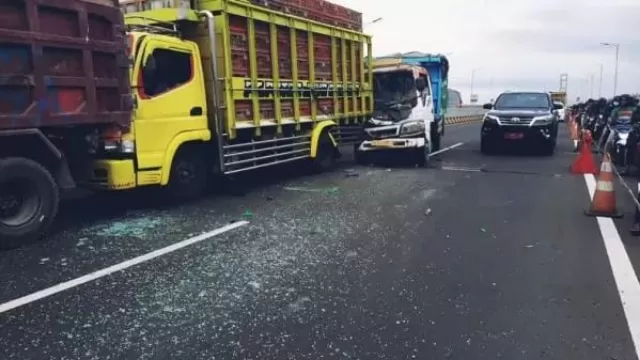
(622, 269)
(10, 305)
(447, 149)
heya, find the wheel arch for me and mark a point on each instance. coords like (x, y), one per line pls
(34, 145)
(182, 142)
(317, 133)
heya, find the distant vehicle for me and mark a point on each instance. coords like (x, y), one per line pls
(561, 111)
(520, 118)
(454, 99)
(559, 96)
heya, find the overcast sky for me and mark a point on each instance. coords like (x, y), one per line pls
(514, 44)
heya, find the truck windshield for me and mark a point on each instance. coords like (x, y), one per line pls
(522, 101)
(393, 86)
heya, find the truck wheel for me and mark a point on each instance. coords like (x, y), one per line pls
(436, 139)
(424, 154)
(29, 199)
(326, 157)
(188, 178)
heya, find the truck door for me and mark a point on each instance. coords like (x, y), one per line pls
(426, 103)
(171, 98)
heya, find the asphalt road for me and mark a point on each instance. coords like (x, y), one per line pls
(476, 258)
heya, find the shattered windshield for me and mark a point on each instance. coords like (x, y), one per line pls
(394, 86)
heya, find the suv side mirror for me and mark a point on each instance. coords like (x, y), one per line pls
(557, 107)
(421, 84)
(487, 106)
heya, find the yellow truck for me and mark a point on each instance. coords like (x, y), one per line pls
(232, 86)
(217, 87)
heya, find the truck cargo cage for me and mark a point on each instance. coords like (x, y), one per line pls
(132, 6)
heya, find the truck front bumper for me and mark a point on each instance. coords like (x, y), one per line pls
(392, 144)
(111, 175)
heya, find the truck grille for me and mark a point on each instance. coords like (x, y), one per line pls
(382, 133)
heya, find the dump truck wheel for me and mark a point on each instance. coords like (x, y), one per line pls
(424, 154)
(188, 178)
(326, 157)
(29, 200)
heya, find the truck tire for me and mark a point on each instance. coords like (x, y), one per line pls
(188, 178)
(29, 200)
(423, 155)
(326, 156)
(436, 138)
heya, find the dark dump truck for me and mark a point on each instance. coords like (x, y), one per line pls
(64, 87)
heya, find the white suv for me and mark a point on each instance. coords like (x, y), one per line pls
(561, 112)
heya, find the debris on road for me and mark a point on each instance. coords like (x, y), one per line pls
(427, 212)
(351, 173)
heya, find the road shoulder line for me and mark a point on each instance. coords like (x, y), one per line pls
(622, 269)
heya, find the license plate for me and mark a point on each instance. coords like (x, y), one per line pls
(382, 143)
(513, 136)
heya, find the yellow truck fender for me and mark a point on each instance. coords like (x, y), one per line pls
(172, 149)
(315, 136)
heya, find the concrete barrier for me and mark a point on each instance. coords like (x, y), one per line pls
(464, 114)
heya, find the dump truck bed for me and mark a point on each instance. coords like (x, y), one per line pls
(62, 63)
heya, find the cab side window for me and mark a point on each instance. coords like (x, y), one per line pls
(166, 70)
(427, 90)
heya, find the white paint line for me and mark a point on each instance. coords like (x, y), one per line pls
(446, 149)
(115, 268)
(453, 168)
(622, 269)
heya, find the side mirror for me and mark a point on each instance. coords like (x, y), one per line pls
(487, 106)
(421, 84)
(557, 107)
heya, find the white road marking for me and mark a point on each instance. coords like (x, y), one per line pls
(446, 149)
(622, 269)
(115, 268)
(453, 168)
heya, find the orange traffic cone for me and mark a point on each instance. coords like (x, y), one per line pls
(584, 163)
(604, 199)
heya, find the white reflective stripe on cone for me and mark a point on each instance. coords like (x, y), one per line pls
(604, 186)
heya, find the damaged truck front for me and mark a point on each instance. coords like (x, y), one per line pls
(64, 87)
(403, 114)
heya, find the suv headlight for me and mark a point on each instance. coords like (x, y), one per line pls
(412, 127)
(491, 119)
(543, 120)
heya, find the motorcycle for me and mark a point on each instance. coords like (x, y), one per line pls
(599, 127)
(618, 142)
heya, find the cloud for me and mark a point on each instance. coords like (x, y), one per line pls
(515, 44)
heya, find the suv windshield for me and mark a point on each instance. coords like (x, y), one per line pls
(522, 101)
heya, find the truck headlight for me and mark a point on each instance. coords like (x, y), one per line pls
(543, 120)
(412, 127)
(128, 146)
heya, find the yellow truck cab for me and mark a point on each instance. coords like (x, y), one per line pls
(227, 87)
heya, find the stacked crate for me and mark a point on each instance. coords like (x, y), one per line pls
(319, 10)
